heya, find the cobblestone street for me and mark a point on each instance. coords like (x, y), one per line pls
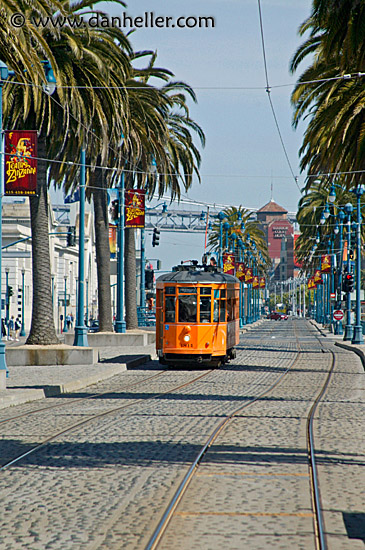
(107, 483)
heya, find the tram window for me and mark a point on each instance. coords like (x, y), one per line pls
(216, 294)
(216, 310)
(229, 309)
(223, 293)
(205, 309)
(205, 290)
(222, 311)
(169, 309)
(187, 290)
(170, 290)
(187, 309)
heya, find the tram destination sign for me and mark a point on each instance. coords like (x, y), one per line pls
(338, 315)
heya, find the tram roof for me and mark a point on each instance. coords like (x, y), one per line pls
(197, 276)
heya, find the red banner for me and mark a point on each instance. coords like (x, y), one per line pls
(21, 162)
(318, 277)
(249, 275)
(240, 271)
(112, 240)
(262, 282)
(135, 207)
(255, 282)
(326, 263)
(311, 284)
(228, 264)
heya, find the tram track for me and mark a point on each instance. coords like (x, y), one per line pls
(320, 542)
(91, 396)
(92, 418)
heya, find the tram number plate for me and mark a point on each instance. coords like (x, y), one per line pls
(338, 315)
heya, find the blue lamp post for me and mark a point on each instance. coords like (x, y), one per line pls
(358, 336)
(7, 298)
(221, 217)
(339, 230)
(226, 229)
(242, 287)
(65, 329)
(348, 328)
(22, 330)
(120, 325)
(4, 74)
(80, 328)
(143, 282)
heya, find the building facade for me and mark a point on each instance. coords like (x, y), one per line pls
(17, 262)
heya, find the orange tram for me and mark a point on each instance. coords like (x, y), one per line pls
(197, 316)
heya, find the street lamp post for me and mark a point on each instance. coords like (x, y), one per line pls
(65, 329)
(348, 328)
(339, 230)
(143, 291)
(87, 302)
(120, 325)
(358, 336)
(4, 73)
(22, 330)
(7, 297)
(221, 217)
(80, 328)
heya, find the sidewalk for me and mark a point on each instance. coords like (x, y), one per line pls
(338, 339)
(31, 383)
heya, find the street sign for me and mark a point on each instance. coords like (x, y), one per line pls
(333, 295)
(338, 315)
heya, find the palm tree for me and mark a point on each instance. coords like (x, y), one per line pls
(245, 229)
(334, 140)
(73, 53)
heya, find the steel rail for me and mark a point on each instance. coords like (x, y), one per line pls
(316, 500)
(165, 520)
(97, 416)
(91, 396)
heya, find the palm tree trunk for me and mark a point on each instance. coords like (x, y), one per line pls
(101, 222)
(130, 279)
(42, 331)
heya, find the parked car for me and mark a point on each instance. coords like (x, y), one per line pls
(277, 316)
(94, 327)
(274, 315)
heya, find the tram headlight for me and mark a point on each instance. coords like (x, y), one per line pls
(187, 338)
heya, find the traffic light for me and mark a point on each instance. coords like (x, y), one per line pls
(114, 210)
(148, 274)
(10, 291)
(348, 282)
(156, 237)
(71, 236)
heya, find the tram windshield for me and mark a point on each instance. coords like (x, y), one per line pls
(187, 309)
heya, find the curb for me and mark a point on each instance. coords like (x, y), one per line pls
(18, 396)
(358, 351)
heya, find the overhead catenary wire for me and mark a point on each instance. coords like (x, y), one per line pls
(268, 90)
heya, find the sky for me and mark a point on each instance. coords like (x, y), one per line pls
(243, 157)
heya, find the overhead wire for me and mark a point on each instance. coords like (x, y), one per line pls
(268, 90)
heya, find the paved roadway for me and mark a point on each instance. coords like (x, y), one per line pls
(106, 484)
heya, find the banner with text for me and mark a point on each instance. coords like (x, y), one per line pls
(240, 271)
(326, 263)
(135, 207)
(228, 264)
(20, 162)
(249, 275)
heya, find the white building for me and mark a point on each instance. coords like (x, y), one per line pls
(17, 261)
